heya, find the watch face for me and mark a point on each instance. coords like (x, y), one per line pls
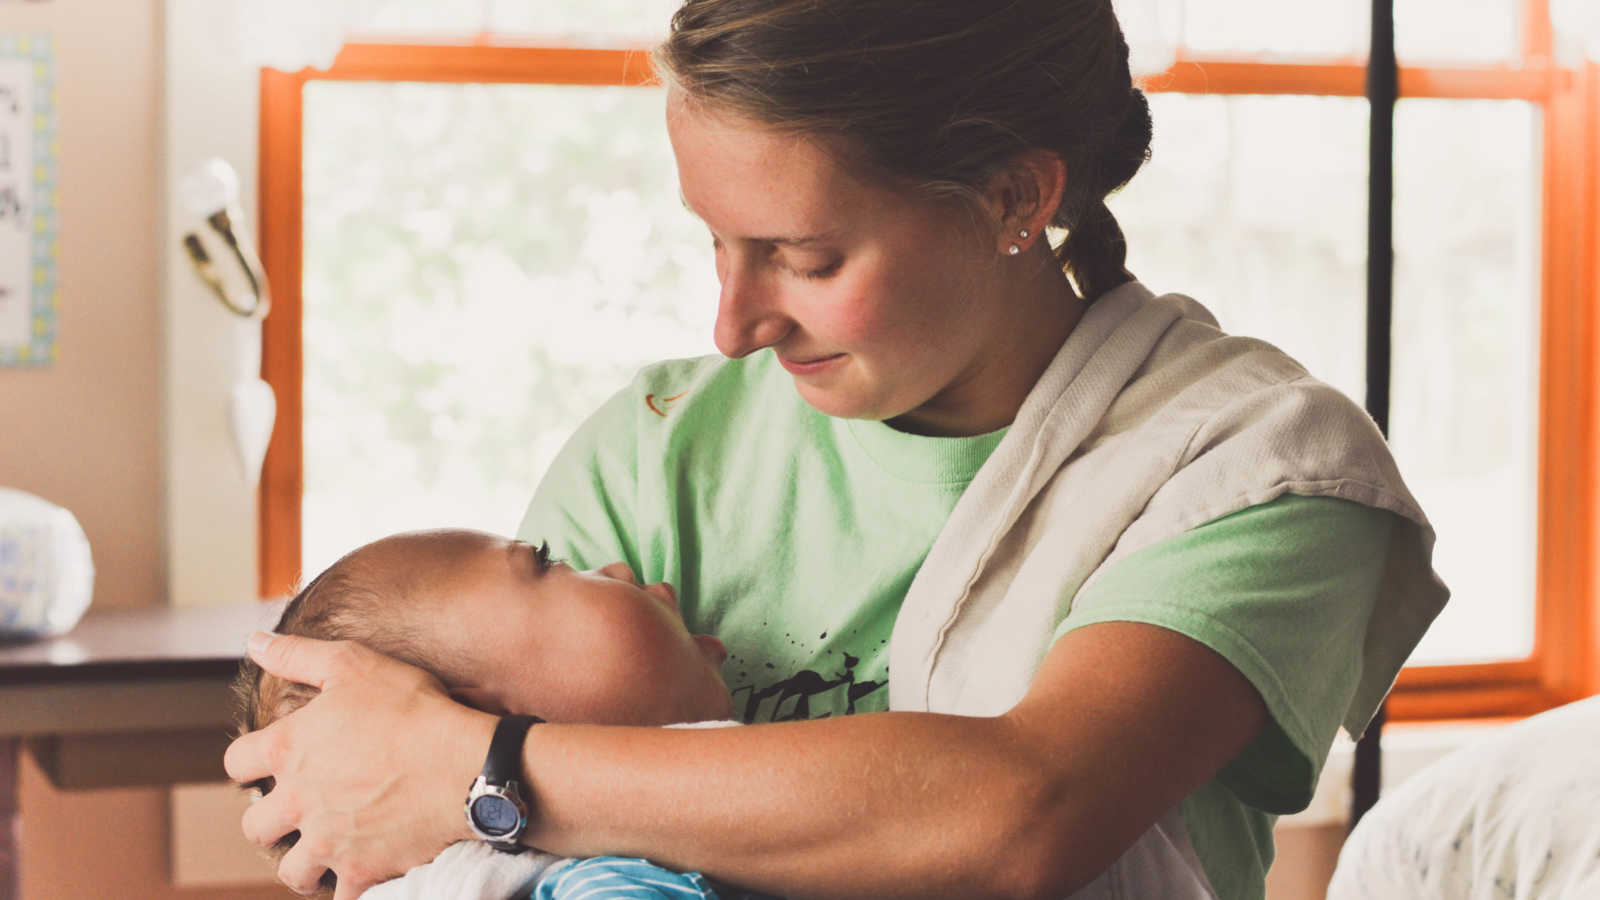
(495, 815)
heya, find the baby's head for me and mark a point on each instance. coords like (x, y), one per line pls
(506, 630)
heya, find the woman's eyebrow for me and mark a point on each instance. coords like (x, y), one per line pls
(801, 240)
(784, 241)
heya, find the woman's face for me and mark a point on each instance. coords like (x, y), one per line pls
(881, 302)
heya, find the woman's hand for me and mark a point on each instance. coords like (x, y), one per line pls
(372, 771)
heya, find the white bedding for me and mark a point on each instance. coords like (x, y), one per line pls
(1515, 816)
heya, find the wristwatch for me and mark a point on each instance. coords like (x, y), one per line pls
(496, 810)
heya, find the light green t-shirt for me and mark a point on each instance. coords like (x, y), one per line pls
(794, 537)
(791, 535)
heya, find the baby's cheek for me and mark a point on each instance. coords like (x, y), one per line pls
(633, 681)
(600, 688)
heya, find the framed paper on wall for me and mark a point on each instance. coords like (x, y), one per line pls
(29, 148)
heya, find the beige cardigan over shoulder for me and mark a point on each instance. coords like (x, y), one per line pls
(1148, 422)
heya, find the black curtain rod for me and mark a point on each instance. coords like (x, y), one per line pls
(1383, 90)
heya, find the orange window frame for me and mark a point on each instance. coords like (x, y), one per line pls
(1565, 663)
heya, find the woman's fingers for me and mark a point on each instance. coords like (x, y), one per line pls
(381, 742)
(250, 757)
(303, 659)
(270, 818)
(301, 869)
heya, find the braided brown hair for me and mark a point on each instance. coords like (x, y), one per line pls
(943, 93)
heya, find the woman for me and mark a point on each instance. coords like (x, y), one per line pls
(1136, 572)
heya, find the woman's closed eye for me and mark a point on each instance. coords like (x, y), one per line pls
(810, 270)
(819, 272)
(806, 264)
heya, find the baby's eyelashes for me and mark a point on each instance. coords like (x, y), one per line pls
(542, 560)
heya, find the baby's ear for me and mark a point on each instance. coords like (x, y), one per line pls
(479, 699)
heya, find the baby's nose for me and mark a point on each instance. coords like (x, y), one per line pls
(620, 571)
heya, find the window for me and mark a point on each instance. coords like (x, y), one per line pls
(438, 181)
(1492, 403)
(477, 281)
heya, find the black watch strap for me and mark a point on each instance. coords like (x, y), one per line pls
(503, 765)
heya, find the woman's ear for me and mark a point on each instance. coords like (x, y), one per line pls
(1024, 194)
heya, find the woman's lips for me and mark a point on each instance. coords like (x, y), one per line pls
(810, 366)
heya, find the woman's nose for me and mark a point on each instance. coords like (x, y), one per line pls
(620, 571)
(747, 320)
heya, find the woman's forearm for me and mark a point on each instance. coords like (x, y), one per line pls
(1034, 803)
(879, 805)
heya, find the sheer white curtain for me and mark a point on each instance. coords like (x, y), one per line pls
(1154, 29)
(292, 34)
(1578, 25)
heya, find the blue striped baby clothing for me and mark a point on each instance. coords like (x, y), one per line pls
(617, 878)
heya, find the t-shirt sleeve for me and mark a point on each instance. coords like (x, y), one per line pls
(1283, 591)
(585, 505)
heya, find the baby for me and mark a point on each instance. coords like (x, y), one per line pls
(509, 631)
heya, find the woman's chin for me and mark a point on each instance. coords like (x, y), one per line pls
(841, 404)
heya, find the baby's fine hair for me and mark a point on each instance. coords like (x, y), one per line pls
(375, 596)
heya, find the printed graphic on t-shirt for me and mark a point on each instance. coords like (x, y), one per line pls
(662, 405)
(836, 685)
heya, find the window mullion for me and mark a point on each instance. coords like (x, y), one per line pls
(1538, 35)
(1567, 464)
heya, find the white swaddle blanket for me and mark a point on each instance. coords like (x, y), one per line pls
(1515, 816)
(469, 870)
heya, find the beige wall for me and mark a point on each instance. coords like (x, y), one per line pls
(86, 432)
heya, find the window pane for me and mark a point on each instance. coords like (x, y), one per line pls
(1450, 31)
(1256, 207)
(1464, 417)
(1275, 29)
(1426, 31)
(484, 266)
(574, 21)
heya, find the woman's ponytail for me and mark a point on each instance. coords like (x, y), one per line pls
(1096, 251)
